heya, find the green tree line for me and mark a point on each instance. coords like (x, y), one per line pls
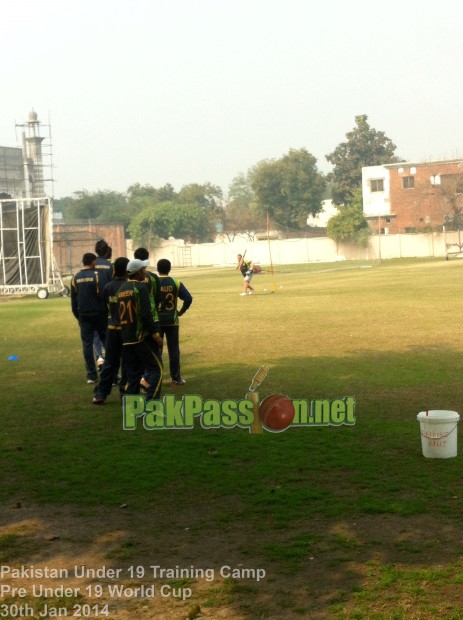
(286, 190)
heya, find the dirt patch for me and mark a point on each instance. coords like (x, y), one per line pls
(173, 561)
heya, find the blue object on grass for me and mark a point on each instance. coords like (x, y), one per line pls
(13, 358)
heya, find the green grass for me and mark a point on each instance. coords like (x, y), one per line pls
(388, 334)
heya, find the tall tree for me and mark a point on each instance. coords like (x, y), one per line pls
(364, 146)
(289, 189)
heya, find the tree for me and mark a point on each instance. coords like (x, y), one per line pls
(207, 195)
(450, 187)
(84, 206)
(289, 189)
(242, 219)
(137, 193)
(240, 190)
(365, 146)
(193, 223)
(103, 206)
(171, 219)
(61, 205)
(350, 225)
(240, 214)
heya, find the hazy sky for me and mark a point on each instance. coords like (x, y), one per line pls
(195, 91)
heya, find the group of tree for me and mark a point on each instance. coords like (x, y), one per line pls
(147, 212)
(285, 191)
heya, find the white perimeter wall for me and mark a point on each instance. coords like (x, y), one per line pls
(293, 251)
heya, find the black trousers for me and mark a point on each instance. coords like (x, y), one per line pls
(90, 323)
(112, 363)
(143, 359)
(171, 332)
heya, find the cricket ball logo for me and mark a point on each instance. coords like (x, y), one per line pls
(275, 413)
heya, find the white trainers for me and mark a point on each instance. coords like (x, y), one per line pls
(250, 292)
(100, 362)
(242, 294)
(177, 383)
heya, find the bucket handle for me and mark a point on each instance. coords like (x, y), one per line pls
(440, 436)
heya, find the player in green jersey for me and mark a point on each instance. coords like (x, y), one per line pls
(169, 292)
(151, 279)
(152, 282)
(140, 333)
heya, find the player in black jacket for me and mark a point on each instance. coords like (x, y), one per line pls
(113, 343)
(87, 307)
(140, 333)
(105, 270)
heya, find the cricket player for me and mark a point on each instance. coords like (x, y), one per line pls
(140, 332)
(169, 292)
(246, 268)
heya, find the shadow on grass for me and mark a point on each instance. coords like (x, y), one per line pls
(323, 511)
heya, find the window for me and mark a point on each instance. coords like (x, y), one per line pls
(377, 185)
(408, 182)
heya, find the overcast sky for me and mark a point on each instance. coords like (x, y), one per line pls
(195, 91)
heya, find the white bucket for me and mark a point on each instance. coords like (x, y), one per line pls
(438, 433)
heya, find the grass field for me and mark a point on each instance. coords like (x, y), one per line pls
(346, 522)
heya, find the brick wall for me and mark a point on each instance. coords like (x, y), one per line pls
(424, 206)
(71, 242)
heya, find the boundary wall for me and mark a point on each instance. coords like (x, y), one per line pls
(307, 250)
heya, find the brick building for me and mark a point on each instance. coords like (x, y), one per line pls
(72, 241)
(410, 197)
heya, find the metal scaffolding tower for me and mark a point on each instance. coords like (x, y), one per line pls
(27, 264)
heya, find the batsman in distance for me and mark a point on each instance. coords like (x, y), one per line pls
(246, 268)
